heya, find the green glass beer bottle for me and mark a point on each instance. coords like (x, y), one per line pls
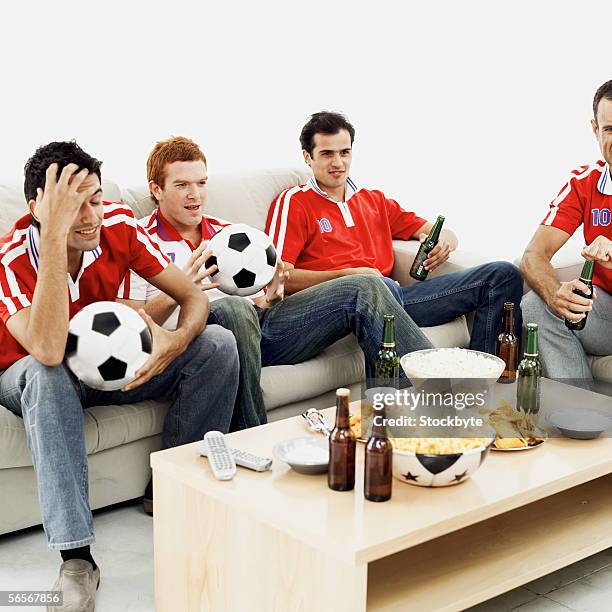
(386, 366)
(529, 374)
(418, 270)
(586, 276)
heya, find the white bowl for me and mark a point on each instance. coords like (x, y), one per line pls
(409, 363)
(295, 452)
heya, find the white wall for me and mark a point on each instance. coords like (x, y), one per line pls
(473, 109)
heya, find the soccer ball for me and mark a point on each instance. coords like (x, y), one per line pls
(107, 344)
(245, 258)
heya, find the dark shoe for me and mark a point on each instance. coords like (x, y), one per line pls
(78, 581)
(147, 500)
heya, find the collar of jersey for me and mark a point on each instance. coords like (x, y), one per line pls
(168, 233)
(605, 181)
(351, 189)
(33, 248)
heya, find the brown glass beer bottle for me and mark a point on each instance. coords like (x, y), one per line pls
(341, 472)
(377, 482)
(507, 345)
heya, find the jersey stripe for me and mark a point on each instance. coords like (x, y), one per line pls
(579, 175)
(282, 231)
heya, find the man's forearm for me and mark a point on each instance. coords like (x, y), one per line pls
(302, 279)
(47, 329)
(160, 308)
(193, 315)
(540, 274)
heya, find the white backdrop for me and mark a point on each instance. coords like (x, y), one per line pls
(477, 110)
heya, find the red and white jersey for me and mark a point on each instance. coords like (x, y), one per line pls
(586, 199)
(123, 245)
(314, 232)
(178, 250)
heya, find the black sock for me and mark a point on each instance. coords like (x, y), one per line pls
(78, 553)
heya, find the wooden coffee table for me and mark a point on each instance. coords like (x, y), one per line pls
(281, 541)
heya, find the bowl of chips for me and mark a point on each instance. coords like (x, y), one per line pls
(438, 462)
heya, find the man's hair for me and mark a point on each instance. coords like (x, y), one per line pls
(324, 123)
(605, 91)
(60, 153)
(173, 149)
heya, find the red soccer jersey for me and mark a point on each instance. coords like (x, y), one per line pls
(586, 199)
(313, 232)
(123, 245)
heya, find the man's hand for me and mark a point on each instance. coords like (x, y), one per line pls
(275, 289)
(599, 250)
(439, 254)
(194, 267)
(59, 203)
(566, 303)
(167, 346)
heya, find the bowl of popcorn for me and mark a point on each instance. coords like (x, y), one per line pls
(451, 363)
(438, 462)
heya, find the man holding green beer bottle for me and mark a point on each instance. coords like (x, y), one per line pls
(330, 228)
(574, 321)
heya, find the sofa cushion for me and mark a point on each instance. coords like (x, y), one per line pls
(238, 197)
(601, 367)
(105, 427)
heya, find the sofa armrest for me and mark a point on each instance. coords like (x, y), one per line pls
(404, 252)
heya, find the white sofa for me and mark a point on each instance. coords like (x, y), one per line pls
(120, 438)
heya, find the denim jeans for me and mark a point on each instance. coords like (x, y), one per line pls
(563, 352)
(202, 382)
(482, 290)
(305, 323)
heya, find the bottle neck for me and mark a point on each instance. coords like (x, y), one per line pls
(379, 427)
(389, 332)
(342, 411)
(587, 271)
(509, 320)
(531, 349)
(434, 235)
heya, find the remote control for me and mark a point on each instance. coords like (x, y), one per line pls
(220, 459)
(244, 459)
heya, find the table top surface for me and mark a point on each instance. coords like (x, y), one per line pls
(355, 530)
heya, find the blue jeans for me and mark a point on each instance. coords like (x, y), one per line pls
(305, 323)
(202, 382)
(482, 290)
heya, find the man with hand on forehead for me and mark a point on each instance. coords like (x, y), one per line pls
(586, 199)
(74, 249)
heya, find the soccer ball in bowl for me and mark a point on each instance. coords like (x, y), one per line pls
(107, 344)
(245, 258)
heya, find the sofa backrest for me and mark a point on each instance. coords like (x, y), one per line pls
(13, 204)
(237, 197)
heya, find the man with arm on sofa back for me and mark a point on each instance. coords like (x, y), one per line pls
(268, 330)
(331, 228)
(586, 199)
(73, 249)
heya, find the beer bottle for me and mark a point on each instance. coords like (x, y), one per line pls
(418, 270)
(529, 374)
(586, 276)
(507, 345)
(386, 366)
(341, 472)
(378, 459)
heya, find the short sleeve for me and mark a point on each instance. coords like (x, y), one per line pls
(288, 226)
(133, 287)
(566, 211)
(403, 223)
(146, 259)
(15, 295)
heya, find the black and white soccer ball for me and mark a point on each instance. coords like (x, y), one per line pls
(107, 344)
(245, 258)
(427, 470)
